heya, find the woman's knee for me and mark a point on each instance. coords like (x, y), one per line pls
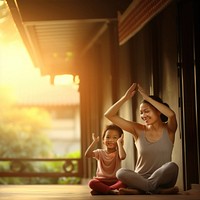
(120, 173)
(171, 168)
(174, 167)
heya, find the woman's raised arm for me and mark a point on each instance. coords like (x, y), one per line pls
(112, 112)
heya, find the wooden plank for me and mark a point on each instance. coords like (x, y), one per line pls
(77, 192)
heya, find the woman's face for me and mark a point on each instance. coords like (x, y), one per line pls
(149, 114)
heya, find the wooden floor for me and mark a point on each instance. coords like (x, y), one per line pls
(79, 192)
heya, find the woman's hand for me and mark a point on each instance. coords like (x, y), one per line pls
(131, 91)
(142, 92)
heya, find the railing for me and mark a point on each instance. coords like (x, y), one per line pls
(18, 167)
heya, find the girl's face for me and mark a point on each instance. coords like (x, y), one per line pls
(149, 114)
(110, 139)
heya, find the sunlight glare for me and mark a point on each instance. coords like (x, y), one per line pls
(17, 69)
(64, 79)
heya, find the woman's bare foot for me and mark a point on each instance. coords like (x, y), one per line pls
(172, 190)
(130, 191)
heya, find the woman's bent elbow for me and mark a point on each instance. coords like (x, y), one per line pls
(106, 115)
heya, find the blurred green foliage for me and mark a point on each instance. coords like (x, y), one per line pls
(21, 136)
(21, 129)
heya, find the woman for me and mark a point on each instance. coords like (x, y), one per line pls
(154, 171)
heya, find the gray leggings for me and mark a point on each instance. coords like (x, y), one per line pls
(165, 177)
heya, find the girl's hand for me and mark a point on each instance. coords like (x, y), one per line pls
(121, 140)
(131, 91)
(95, 139)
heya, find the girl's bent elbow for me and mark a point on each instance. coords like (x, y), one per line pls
(122, 157)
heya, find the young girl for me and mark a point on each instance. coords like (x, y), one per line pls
(154, 171)
(108, 161)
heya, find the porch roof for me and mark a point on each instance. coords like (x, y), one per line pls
(48, 95)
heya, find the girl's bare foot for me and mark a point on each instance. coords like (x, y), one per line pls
(110, 192)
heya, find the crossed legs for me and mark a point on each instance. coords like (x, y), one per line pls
(164, 177)
(104, 186)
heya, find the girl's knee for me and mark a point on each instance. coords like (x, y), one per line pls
(92, 183)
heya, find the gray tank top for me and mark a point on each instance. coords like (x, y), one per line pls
(152, 155)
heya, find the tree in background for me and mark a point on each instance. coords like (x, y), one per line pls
(21, 129)
(21, 134)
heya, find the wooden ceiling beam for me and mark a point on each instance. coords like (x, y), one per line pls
(47, 10)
